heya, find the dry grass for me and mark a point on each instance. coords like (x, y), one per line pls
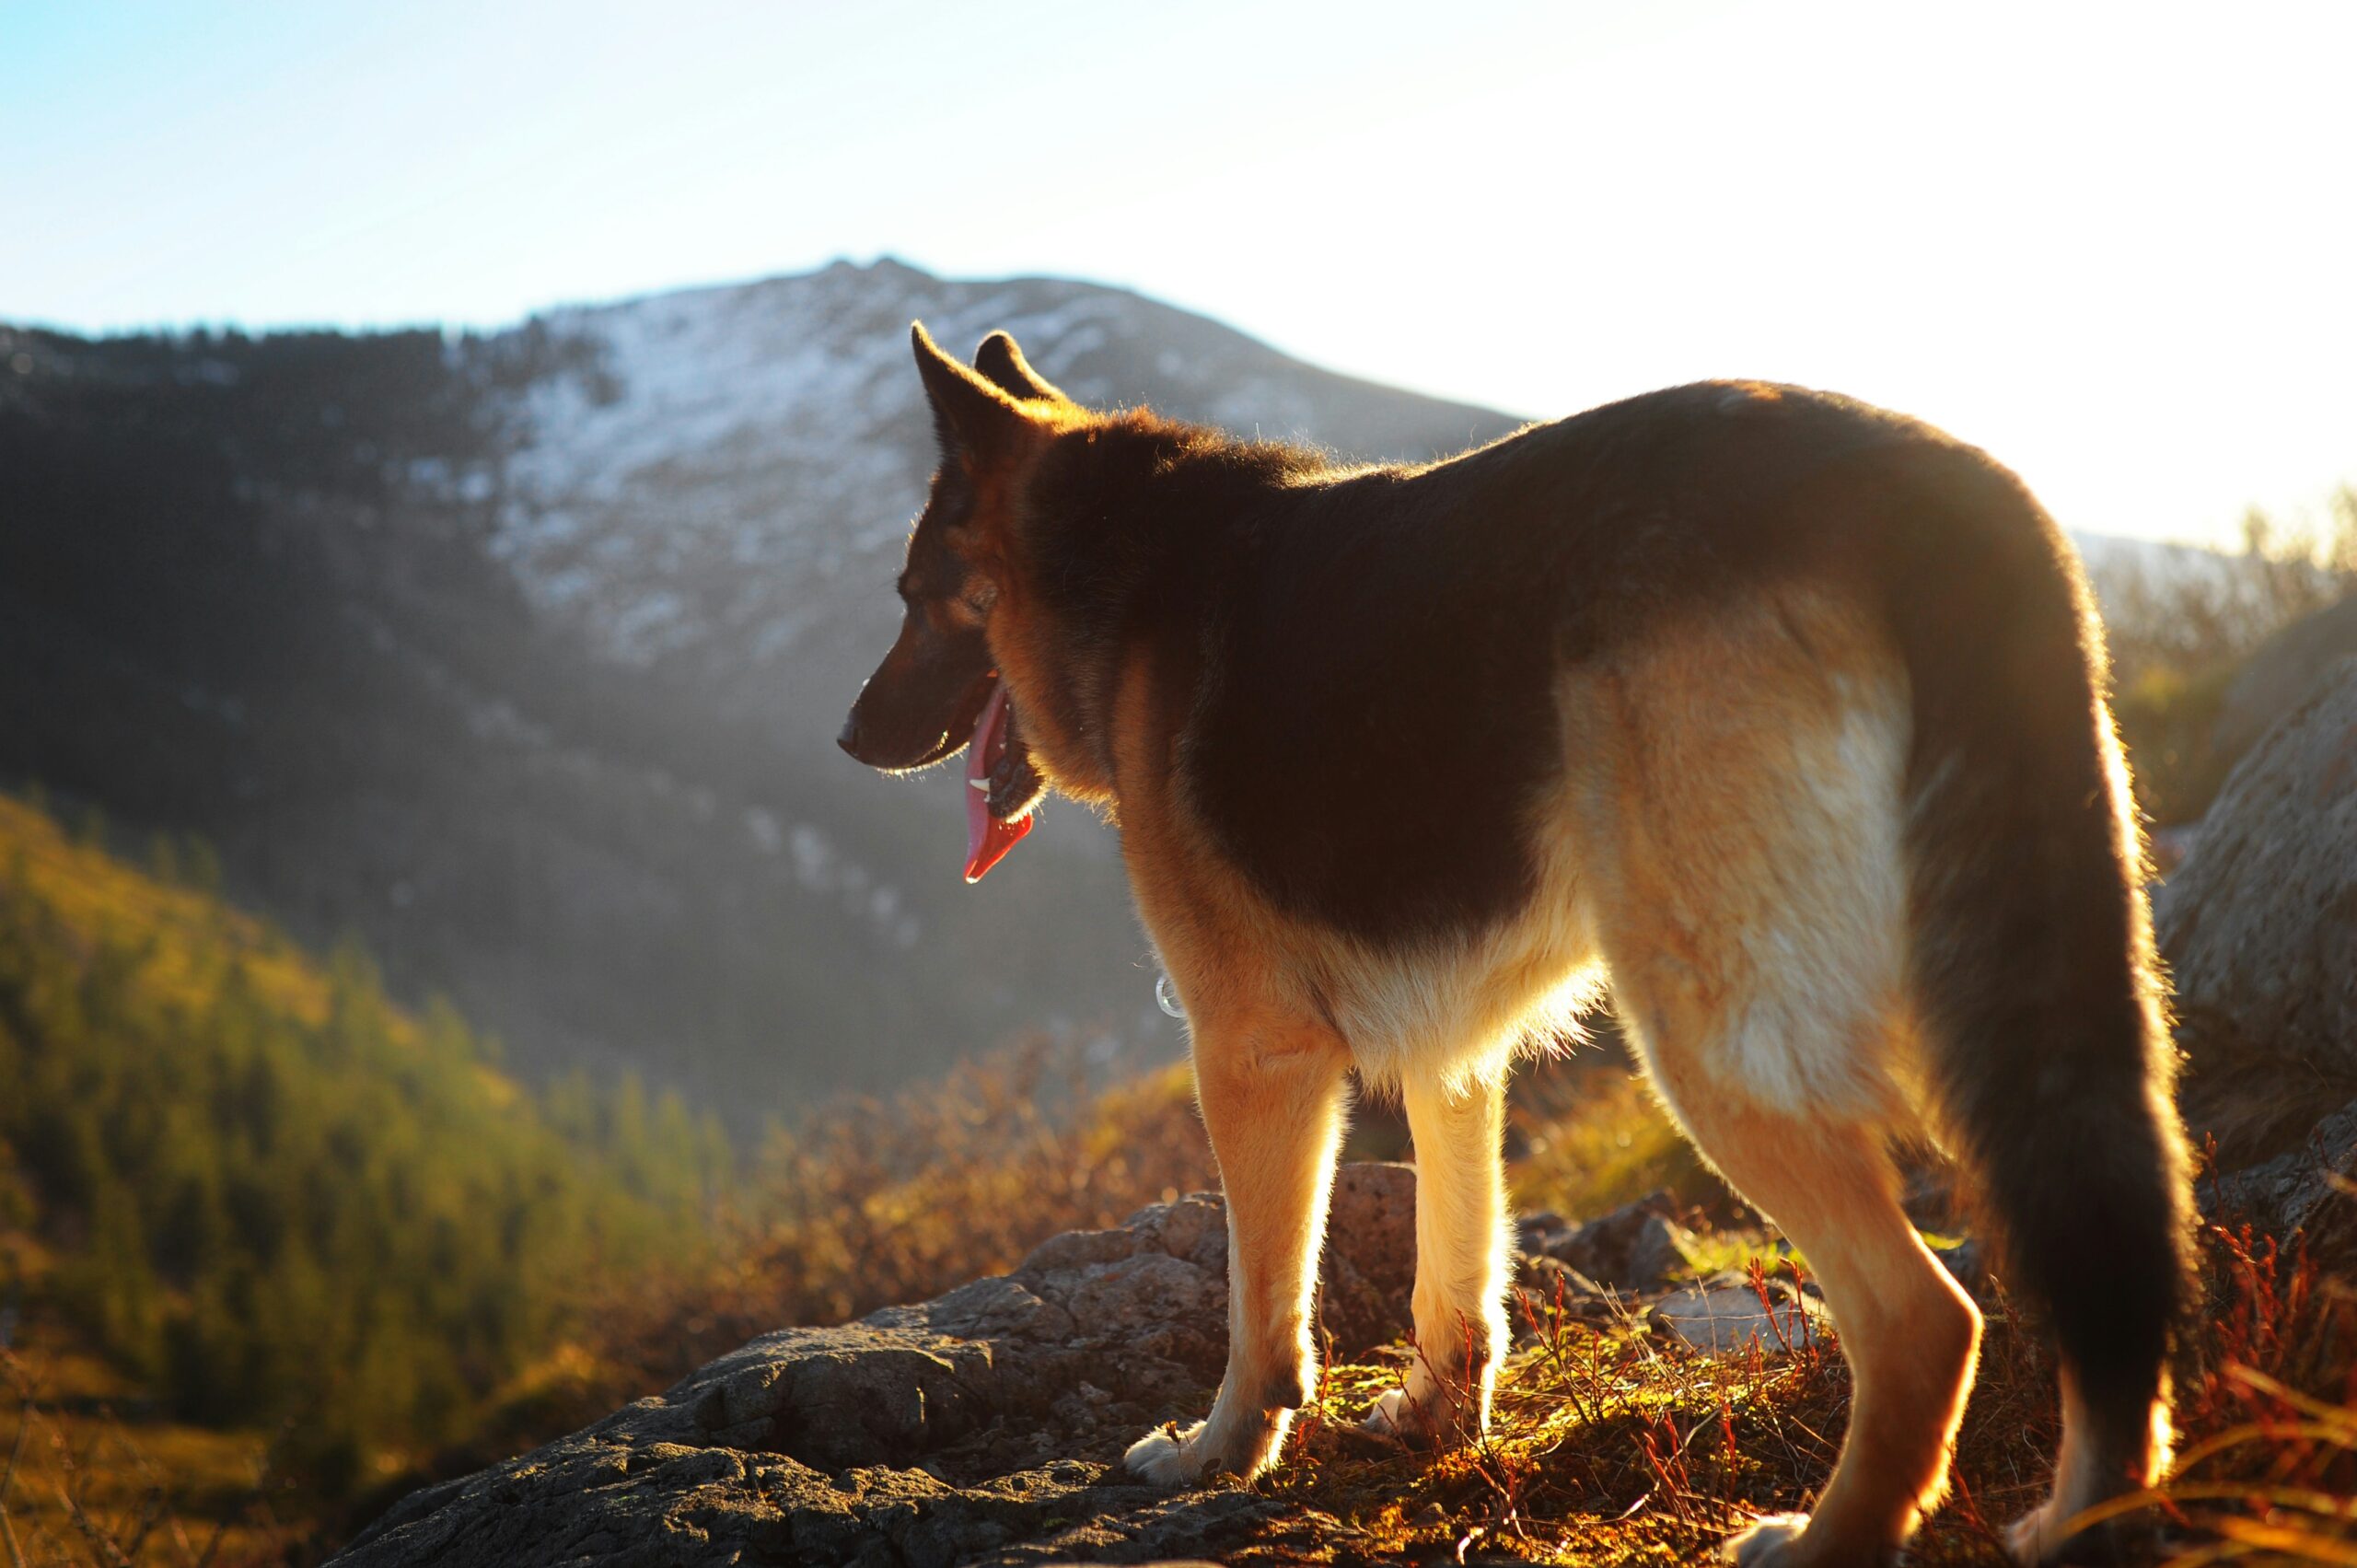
(883, 1202)
(1608, 1445)
(2266, 1469)
(92, 1471)
(1612, 1445)
(2265, 1407)
(874, 1201)
(83, 1482)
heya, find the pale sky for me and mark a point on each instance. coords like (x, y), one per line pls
(2114, 244)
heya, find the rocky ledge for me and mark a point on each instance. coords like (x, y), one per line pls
(987, 1426)
(984, 1426)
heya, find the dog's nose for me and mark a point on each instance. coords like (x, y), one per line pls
(849, 738)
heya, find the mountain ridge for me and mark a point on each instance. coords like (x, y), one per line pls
(520, 655)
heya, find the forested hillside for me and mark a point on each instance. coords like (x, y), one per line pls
(268, 1195)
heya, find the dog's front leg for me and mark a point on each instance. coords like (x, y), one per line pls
(1461, 1253)
(1272, 1095)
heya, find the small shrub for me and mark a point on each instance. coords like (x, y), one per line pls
(872, 1202)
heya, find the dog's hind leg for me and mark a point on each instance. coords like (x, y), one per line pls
(1460, 1261)
(1910, 1334)
(1775, 1035)
(1747, 781)
(1271, 1097)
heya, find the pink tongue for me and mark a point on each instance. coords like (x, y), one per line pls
(987, 838)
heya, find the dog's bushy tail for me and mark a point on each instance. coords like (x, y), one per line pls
(2032, 958)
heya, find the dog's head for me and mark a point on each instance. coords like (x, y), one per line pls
(939, 689)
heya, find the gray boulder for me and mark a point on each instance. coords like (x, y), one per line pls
(2312, 1190)
(2259, 929)
(2279, 673)
(1730, 1318)
(1638, 1247)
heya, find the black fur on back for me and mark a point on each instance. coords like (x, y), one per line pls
(1371, 653)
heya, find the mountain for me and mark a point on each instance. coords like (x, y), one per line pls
(519, 655)
(723, 483)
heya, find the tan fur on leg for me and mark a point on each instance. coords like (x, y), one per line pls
(1758, 944)
(1271, 1095)
(1910, 1334)
(1460, 1262)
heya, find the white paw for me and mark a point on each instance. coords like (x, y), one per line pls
(1395, 1415)
(1167, 1456)
(2037, 1537)
(1766, 1542)
(1222, 1445)
(1423, 1417)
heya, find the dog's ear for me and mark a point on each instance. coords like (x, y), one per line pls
(970, 414)
(999, 359)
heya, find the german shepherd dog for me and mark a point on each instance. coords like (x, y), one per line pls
(1782, 712)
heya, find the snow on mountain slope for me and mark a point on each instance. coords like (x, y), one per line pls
(739, 468)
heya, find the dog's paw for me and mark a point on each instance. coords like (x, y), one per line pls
(2038, 1539)
(2026, 1539)
(1222, 1445)
(1167, 1457)
(1766, 1543)
(1425, 1417)
(1402, 1419)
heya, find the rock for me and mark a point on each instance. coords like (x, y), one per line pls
(1372, 1221)
(1662, 1251)
(616, 1502)
(985, 1426)
(1967, 1263)
(1725, 1319)
(2280, 673)
(1549, 1280)
(1370, 1263)
(2260, 930)
(2313, 1191)
(1638, 1247)
(1535, 1233)
(2167, 847)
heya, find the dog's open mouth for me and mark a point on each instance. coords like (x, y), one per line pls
(1002, 786)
